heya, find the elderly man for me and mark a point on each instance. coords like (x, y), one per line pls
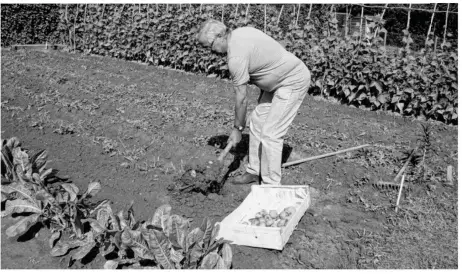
(256, 58)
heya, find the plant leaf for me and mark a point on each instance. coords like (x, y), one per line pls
(160, 245)
(92, 190)
(180, 228)
(137, 242)
(195, 236)
(83, 250)
(207, 228)
(59, 249)
(111, 264)
(104, 215)
(72, 189)
(221, 264)
(210, 261)
(227, 255)
(95, 225)
(17, 187)
(161, 215)
(39, 159)
(22, 226)
(54, 238)
(20, 206)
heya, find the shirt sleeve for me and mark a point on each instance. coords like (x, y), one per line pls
(239, 70)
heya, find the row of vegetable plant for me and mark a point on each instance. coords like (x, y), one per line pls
(36, 196)
(357, 70)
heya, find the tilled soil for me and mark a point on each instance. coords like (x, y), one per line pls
(137, 129)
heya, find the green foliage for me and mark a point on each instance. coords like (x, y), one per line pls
(29, 24)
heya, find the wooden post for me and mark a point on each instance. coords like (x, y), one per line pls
(408, 17)
(200, 9)
(235, 14)
(247, 11)
(223, 13)
(431, 23)
(157, 8)
(139, 9)
(346, 21)
(294, 15)
(361, 23)
(298, 13)
(280, 12)
(75, 22)
(264, 5)
(436, 42)
(85, 14)
(309, 12)
(381, 17)
(445, 27)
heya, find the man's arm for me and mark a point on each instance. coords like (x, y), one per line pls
(240, 109)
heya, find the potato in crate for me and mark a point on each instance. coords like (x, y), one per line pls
(267, 217)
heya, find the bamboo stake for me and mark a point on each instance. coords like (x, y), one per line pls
(408, 17)
(75, 22)
(431, 23)
(361, 23)
(247, 11)
(399, 194)
(293, 21)
(200, 9)
(189, 9)
(139, 9)
(85, 14)
(102, 14)
(298, 13)
(280, 12)
(323, 155)
(445, 27)
(309, 12)
(265, 16)
(346, 21)
(235, 14)
(381, 17)
(436, 42)
(157, 8)
(223, 13)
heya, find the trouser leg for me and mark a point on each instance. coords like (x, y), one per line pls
(283, 109)
(257, 119)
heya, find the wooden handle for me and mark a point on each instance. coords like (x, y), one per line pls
(224, 152)
(404, 166)
(322, 156)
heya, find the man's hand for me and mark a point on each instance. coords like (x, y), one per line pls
(235, 137)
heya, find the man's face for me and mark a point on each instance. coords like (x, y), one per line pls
(218, 45)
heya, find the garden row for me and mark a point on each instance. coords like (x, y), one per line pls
(355, 70)
(34, 194)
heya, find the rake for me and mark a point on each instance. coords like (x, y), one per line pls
(395, 183)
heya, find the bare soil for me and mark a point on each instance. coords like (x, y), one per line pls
(137, 129)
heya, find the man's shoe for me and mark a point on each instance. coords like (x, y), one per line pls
(246, 178)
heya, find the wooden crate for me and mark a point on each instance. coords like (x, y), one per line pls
(270, 198)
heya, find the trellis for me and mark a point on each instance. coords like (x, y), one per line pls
(296, 12)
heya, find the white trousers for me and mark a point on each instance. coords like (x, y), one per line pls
(270, 121)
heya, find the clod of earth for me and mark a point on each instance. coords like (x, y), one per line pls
(203, 179)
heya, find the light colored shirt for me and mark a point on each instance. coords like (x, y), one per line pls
(256, 57)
